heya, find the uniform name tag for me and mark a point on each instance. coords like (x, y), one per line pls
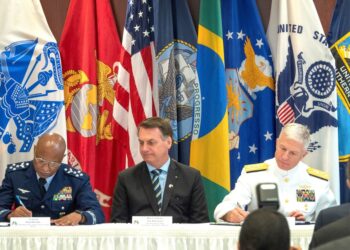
(29, 221)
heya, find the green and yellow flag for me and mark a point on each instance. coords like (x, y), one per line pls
(210, 143)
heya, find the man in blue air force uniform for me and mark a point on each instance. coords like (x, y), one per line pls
(48, 188)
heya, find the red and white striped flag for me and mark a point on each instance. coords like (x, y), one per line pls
(285, 113)
(136, 91)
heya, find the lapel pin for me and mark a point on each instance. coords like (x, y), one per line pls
(171, 185)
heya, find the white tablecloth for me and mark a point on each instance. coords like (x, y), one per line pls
(127, 236)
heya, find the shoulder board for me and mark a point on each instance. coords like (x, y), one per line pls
(256, 167)
(18, 166)
(318, 173)
(73, 172)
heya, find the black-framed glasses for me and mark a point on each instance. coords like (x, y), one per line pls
(51, 164)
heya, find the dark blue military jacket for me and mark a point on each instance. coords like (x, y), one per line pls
(69, 190)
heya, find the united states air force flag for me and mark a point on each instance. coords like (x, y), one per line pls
(250, 86)
(305, 77)
(176, 53)
(31, 87)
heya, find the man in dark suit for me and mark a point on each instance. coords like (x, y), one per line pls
(332, 214)
(333, 231)
(137, 193)
(46, 187)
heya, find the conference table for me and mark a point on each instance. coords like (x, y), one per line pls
(131, 236)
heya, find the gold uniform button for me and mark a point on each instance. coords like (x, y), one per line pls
(286, 201)
(286, 180)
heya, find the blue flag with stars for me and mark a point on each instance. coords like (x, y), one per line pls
(250, 86)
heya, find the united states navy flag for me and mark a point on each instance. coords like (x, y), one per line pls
(175, 43)
(250, 86)
(31, 86)
(305, 80)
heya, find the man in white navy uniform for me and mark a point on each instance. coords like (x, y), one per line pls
(45, 187)
(303, 191)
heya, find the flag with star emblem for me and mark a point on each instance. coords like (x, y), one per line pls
(305, 79)
(90, 49)
(31, 86)
(176, 53)
(250, 86)
(210, 145)
(137, 90)
(339, 38)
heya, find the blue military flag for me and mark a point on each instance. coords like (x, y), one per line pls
(175, 44)
(339, 39)
(31, 85)
(305, 80)
(250, 86)
(340, 24)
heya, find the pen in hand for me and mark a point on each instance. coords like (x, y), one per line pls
(20, 201)
(240, 206)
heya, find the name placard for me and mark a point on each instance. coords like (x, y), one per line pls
(152, 220)
(29, 221)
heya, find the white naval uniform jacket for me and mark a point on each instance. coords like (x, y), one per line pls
(297, 190)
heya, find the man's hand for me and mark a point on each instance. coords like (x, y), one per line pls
(71, 219)
(298, 215)
(20, 212)
(236, 215)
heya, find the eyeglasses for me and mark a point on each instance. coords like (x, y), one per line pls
(51, 164)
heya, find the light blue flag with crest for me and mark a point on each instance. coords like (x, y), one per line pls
(250, 86)
(31, 83)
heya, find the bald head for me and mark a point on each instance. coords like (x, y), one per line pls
(48, 154)
(52, 142)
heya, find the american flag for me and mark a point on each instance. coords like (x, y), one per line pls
(136, 89)
(285, 113)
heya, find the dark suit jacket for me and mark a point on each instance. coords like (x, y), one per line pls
(335, 230)
(69, 190)
(183, 198)
(329, 215)
(339, 244)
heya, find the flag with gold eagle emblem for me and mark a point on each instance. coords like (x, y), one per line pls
(90, 48)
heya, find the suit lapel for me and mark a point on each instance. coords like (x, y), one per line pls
(147, 186)
(172, 177)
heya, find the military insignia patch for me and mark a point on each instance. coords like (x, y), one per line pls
(65, 194)
(305, 195)
(318, 173)
(256, 167)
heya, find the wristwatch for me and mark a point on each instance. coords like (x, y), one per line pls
(83, 219)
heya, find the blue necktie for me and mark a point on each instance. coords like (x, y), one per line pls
(42, 182)
(156, 187)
